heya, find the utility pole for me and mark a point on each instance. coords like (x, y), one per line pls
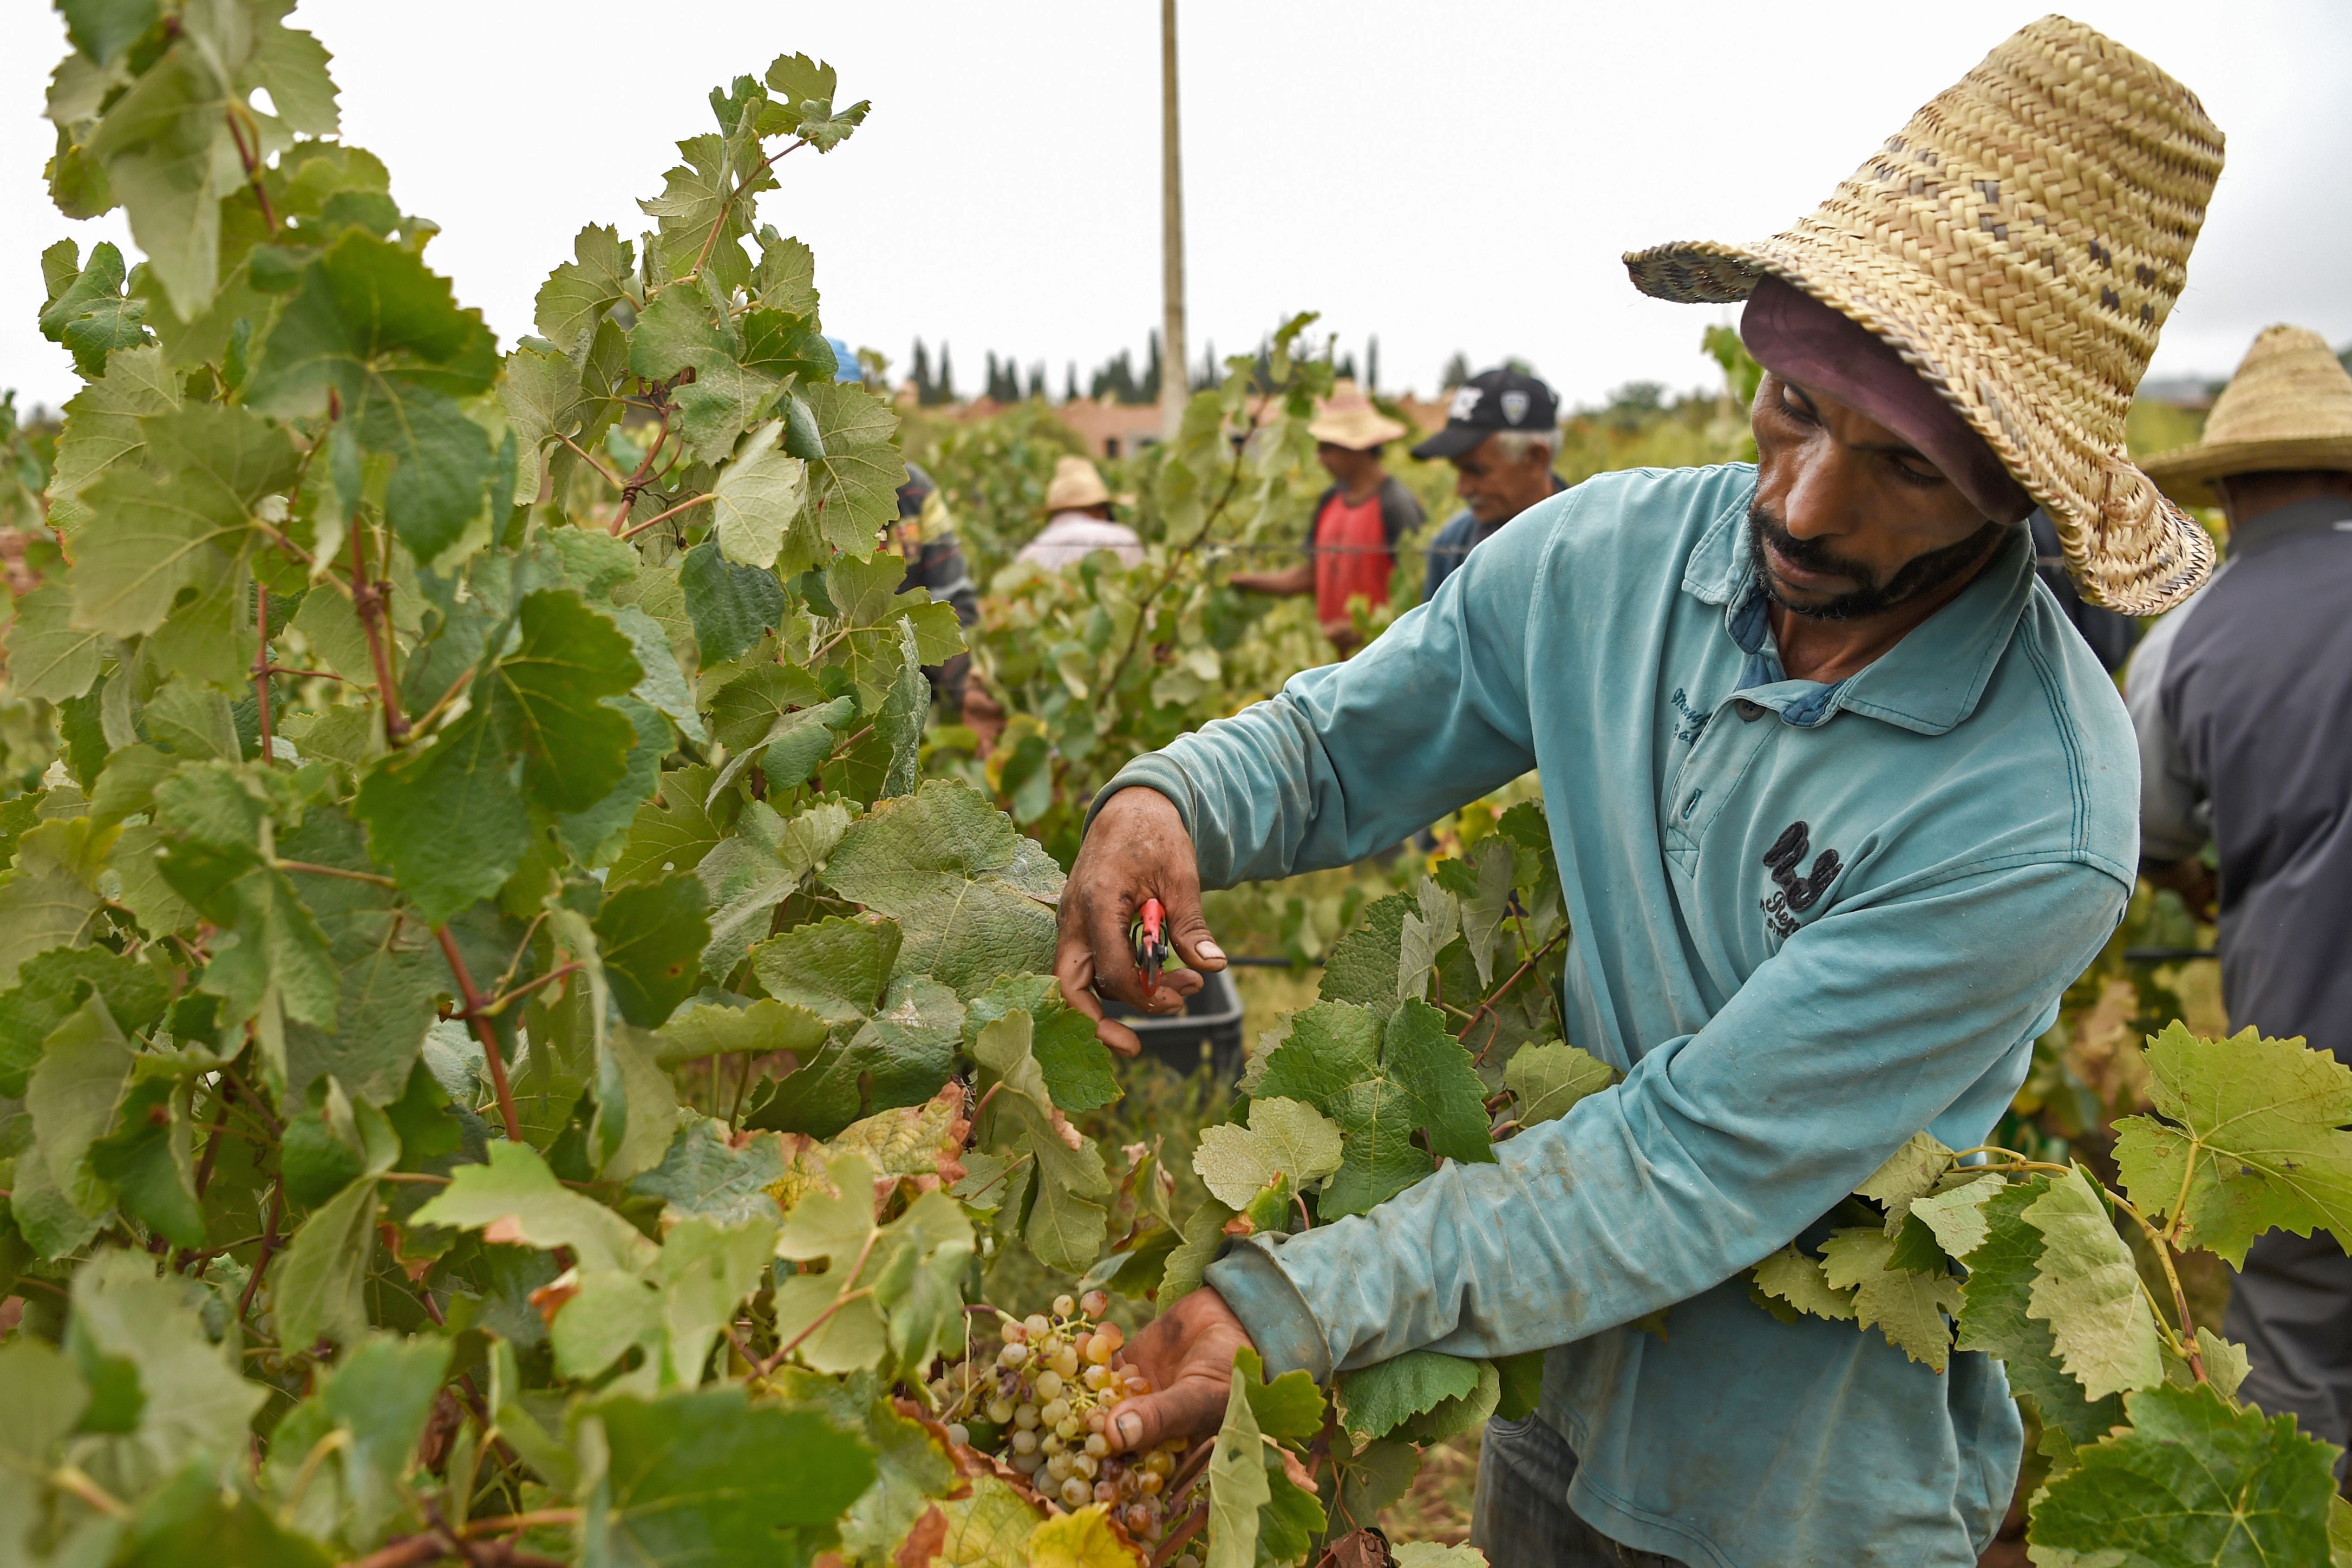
(1175, 374)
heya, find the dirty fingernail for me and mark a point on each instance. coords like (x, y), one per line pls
(1130, 1429)
(1209, 949)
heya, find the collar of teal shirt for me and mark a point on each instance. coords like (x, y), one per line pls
(1929, 682)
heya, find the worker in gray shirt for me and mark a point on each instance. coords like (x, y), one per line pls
(2243, 700)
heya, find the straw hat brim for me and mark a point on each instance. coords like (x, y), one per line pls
(1358, 429)
(2186, 475)
(2140, 565)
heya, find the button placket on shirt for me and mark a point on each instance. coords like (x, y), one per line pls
(1718, 759)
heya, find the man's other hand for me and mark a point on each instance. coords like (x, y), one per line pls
(1135, 849)
(1188, 1353)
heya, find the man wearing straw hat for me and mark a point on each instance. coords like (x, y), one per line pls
(1840, 805)
(1079, 522)
(2243, 698)
(1351, 543)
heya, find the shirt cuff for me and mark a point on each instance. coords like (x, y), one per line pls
(1153, 771)
(1270, 1307)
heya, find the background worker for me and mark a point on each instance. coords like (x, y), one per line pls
(1840, 807)
(924, 538)
(1078, 520)
(2243, 698)
(1502, 432)
(1351, 543)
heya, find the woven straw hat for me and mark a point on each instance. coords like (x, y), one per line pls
(2289, 406)
(2020, 242)
(1348, 419)
(1076, 485)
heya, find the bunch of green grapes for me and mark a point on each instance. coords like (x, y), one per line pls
(1042, 1404)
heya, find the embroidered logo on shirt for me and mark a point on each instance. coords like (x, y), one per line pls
(1692, 720)
(1799, 891)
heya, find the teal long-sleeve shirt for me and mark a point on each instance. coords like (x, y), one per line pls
(1963, 818)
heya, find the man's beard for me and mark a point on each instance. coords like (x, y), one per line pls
(1920, 574)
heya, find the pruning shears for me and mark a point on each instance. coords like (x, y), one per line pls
(1151, 942)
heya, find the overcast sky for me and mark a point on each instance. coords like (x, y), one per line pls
(1449, 177)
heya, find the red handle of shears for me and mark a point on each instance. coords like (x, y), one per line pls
(1151, 942)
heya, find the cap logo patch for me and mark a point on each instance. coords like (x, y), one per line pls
(1465, 403)
(1514, 407)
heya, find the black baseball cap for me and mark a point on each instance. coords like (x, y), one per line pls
(1491, 401)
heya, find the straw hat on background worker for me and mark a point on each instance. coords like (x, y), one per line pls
(2020, 243)
(1348, 419)
(1078, 484)
(2289, 408)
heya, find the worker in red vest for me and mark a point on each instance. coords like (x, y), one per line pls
(1351, 544)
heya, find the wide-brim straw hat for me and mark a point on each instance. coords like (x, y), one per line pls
(2289, 406)
(1348, 419)
(1078, 484)
(2020, 243)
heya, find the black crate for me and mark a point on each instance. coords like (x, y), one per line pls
(1209, 1029)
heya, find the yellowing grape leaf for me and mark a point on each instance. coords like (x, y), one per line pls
(1910, 1173)
(1957, 1216)
(1908, 1308)
(1284, 1138)
(2248, 1132)
(1797, 1279)
(1081, 1539)
(2087, 1289)
(1548, 1078)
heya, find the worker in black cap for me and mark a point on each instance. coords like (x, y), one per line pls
(1501, 434)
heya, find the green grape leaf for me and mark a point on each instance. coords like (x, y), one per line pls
(1794, 1276)
(548, 698)
(755, 499)
(1238, 1485)
(651, 935)
(89, 316)
(602, 828)
(1484, 911)
(1546, 1080)
(369, 324)
(320, 1287)
(704, 1173)
(1204, 1237)
(715, 1029)
(733, 606)
(1424, 932)
(1906, 1306)
(836, 967)
(674, 830)
(1067, 1220)
(664, 685)
(2191, 1480)
(1956, 1215)
(1522, 1378)
(1994, 1317)
(2226, 1365)
(48, 657)
(2250, 1128)
(1076, 1064)
(146, 1159)
(1909, 1174)
(898, 1057)
(1289, 1408)
(190, 1401)
(579, 292)
(673, 1486)
(545, 403)
(1369, 1480)
(378, 1397)
(855, 485)
(1382, 1087)
(52, 986)
(1285, 1138)
(1462, 1413)
(71, 1094)
(193, 1506)
(1362, 965)
(972, 897)
(749, 706)
(169, 158)
(1378, 1399)
(447, 818)
(183, 530)
(279, 966)
(785, 279)
(636, 1105)
(2086, 1287)
(516, 1199)
(102, 432)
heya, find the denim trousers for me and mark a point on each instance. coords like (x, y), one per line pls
(1521, 1518)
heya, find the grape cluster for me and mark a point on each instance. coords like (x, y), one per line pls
(1042, 1404)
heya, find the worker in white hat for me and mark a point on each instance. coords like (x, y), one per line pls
(1078, 520)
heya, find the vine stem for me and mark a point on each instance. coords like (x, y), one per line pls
(312, 868)
(632, 533)
(73, 1479)
(635, 485)
(269, 1241)
(252, 167)
(369, 598)
(261, 664)
(1517, 975)
(475, 1015)
(711, 240)
(824, 1317)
